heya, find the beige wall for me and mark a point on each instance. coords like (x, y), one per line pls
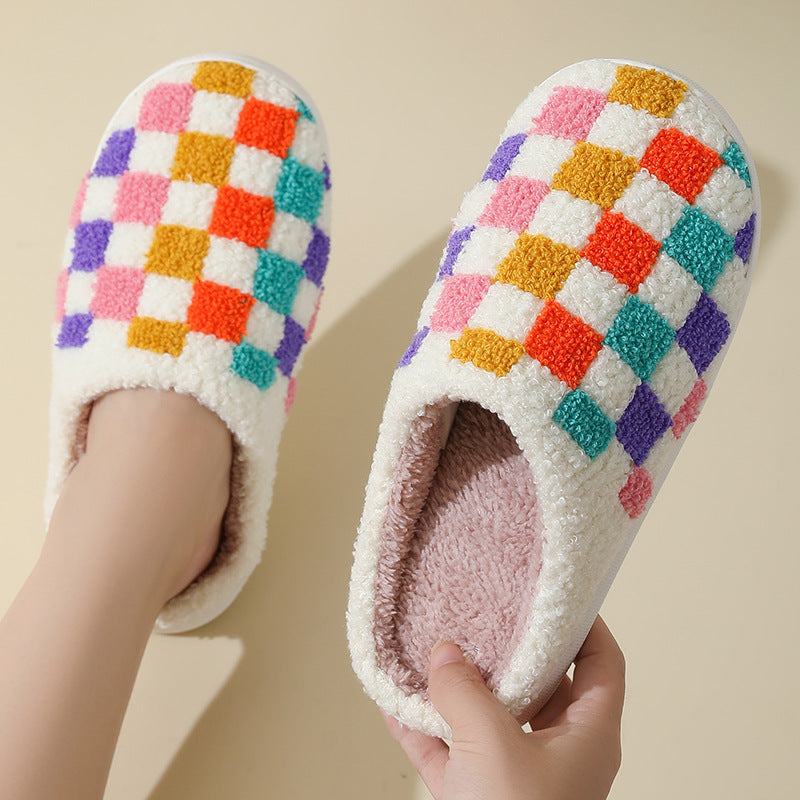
(262, 703)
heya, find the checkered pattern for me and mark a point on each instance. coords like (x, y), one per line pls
(629, 217)
(202, 224)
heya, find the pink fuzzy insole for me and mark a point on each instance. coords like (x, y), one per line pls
(460, 549)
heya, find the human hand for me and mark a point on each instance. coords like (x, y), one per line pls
(572, 752)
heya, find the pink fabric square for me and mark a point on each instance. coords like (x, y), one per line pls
(116, 293)
(77, 206)
(166, 107)
(690, 409)
(460, 296)
(291, 392)
(514, 203)
(61, 294)
(570, 113)
(636, 492)
(141, 197)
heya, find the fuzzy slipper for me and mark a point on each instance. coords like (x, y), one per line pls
(584, 299)
(194, 262)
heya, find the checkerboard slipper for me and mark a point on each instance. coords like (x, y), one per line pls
(587, 292)
(194, 262)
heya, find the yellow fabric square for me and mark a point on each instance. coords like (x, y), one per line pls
(223, 77)
(596, 174)
(203, 158)
(537, 265)
(156, 335)
(487, 350)
(177, 252)
(647, 90)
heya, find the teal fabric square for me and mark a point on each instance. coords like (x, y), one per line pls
(583, 420)
(299, 190)
(304, 110)
(254, 365)
(700, 245)
(641, 336)
(734, 158)
(276, 281)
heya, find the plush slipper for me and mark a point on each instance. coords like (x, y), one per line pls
(587, 292)
(194, 262)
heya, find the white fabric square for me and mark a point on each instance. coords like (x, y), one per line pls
(214, 113)
(165, 298)
(153, 152)
(727, 199)
(429, 304)
(507, 310)
(538, 390)
(129, 244)
(484, 250)
(730, 290)
(651, 204)
(671, 290)
(621, 127)
(264, 327)
(565, 218)
(271, 90)
(305, 302)
(99, 200)
(79, 292)
(594, 295)
(474, 203)
(660, 458)
(540, 157)
(610, 382)
(694, 118)
(69, 245)
(256, 171)
(307, 145)
(290, 236)
(230, 263)
(673, 379)
(190, 204)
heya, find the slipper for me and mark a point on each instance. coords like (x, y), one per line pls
(194, 262)
(584, 299)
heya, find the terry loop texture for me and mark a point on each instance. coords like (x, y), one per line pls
(585, 297)
(194, 262)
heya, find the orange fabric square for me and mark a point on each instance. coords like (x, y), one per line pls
(537, 265)
(157, 336)
(202, 158)
(682, 162)
(177, 252)
(487, 350)
(223, 77)
(243, 216)
(564, 344)
(647, 90)
(266, 126)
(597, 174)
(623, 249)
(219, 310)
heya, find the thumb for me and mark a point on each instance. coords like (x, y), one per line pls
(459, 694)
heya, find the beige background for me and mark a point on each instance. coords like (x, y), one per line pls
(262, 702)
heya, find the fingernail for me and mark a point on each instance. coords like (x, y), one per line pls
(446, 653)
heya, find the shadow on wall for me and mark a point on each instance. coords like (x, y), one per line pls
(292, 721)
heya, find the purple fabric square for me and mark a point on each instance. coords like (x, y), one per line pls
(416, 342)
(74, 331)
(317, 257)
(294, 337)
(326, 173)
(457, 241)
(642, 424)
(502, 158)
(113, 160)
(704, 333)
(744, 239)
(91, 240)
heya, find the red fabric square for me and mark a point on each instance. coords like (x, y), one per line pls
(623, 249)
(564, 344)
(266, 126)
(243, 216)
(682, 162)
(219, 310)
